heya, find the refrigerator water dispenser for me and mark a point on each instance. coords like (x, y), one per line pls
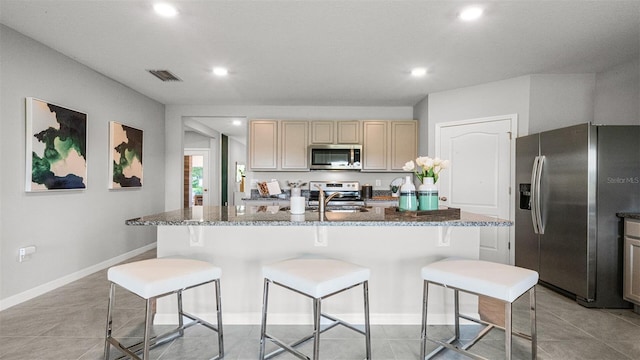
(525, 196)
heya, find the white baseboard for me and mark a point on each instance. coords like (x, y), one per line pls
(54, 284)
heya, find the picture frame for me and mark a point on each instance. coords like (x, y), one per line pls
(125, 156)
(56, 147)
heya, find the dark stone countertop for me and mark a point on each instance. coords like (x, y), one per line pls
(280, 216)
(629, 215)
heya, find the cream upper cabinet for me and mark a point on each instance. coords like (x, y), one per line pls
(263, 145)
(323, 132)
(335, 132)
(294, 142)
(388, 145)
(404, 143)
(348, 132)
(375, 135)
(276, 145)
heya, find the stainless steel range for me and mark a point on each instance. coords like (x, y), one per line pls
(349, 192)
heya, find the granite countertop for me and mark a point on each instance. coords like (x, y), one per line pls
(280, 216)
(629, 215)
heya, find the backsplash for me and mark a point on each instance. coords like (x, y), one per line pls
(369, 178)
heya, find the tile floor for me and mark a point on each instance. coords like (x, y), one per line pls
(68, 323)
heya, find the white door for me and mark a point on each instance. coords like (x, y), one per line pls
(198, 178)
(482, 155)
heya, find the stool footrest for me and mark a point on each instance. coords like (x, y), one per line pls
(337, 322)
(448, 345)
(162, 338)
(286, 347)
(291, 347)
(196, 321)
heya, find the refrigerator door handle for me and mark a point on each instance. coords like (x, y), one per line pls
(537, 195)
(534, 191)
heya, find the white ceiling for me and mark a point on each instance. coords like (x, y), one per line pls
(328, 52)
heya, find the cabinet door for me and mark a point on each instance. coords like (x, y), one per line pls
(295, 140)
(375, 137)
(348, 132)
(323, 132)
(263, 144)
(404, 143)
(632, 261)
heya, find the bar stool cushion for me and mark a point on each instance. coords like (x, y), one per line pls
(500, 281)
(153, 277)
(316, 277)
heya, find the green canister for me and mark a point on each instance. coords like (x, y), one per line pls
(428, 195)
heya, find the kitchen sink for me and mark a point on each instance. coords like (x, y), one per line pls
(335, 209)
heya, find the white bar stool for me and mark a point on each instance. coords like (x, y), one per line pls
(498, 281)
(317, 279)
(155, 278)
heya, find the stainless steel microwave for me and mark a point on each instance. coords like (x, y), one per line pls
(335, 157)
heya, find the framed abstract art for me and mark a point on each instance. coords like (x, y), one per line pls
(125, 156)
(56, 147)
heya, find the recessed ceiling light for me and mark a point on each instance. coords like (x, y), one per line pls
(471, 13)
(220, 71)
(166, 10)
(237, 122)
(419, 72)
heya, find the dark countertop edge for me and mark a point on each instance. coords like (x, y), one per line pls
(135, 222)
(628, 215)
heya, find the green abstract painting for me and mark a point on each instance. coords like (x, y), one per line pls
(56, 154)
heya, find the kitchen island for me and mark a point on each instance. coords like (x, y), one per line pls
(242, 239)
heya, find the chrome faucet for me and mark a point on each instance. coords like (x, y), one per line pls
(323, 200)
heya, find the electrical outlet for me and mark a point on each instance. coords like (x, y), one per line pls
(321, 238)
(25, 253)
(378, 182)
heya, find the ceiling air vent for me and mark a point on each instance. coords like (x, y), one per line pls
(164, 75)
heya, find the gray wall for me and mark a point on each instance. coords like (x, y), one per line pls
(560, 100)
(492, 99)
(421, 113)
(617, 99)
(545, 101)
(73, 230)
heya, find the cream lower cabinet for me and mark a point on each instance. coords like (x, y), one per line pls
(632, 261)
(388, 145)
(278, 145)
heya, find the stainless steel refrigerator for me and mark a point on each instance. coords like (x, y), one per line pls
(571, 183)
